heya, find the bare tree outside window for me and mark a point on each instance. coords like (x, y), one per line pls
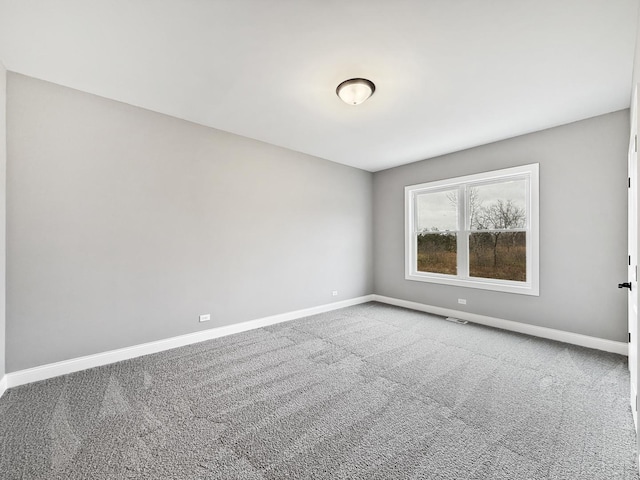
(497, 242)
(497, 232)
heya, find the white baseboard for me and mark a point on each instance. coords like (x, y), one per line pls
(51, 370)
(536, 331)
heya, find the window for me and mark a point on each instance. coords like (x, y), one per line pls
(478, 231)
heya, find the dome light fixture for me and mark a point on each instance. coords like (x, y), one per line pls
(355, 90)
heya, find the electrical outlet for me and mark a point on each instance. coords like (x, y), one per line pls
(205, 318)
(462, 301)
(334, 293)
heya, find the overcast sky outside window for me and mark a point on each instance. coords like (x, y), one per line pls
(437, 211)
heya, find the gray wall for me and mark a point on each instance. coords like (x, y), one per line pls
(123, 225)
(3, 164)
(583, 217)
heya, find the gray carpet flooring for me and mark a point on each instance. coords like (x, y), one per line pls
(367, 392)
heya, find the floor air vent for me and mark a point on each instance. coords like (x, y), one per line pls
(456, 320)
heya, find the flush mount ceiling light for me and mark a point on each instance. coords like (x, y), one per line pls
(355, 90)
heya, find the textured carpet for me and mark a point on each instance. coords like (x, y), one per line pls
(367, 392)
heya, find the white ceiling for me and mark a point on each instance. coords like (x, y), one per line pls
(450, 74)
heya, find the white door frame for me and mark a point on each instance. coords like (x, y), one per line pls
(632, 272)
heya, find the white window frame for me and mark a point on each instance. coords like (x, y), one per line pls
(462, 279)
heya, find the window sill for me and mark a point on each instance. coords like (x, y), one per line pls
(520, 288)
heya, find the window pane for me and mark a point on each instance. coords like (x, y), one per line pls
(437, 211)
(438, 253)
(501, 255)
(500, 205)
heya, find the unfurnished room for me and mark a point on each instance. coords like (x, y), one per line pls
(270, 239)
